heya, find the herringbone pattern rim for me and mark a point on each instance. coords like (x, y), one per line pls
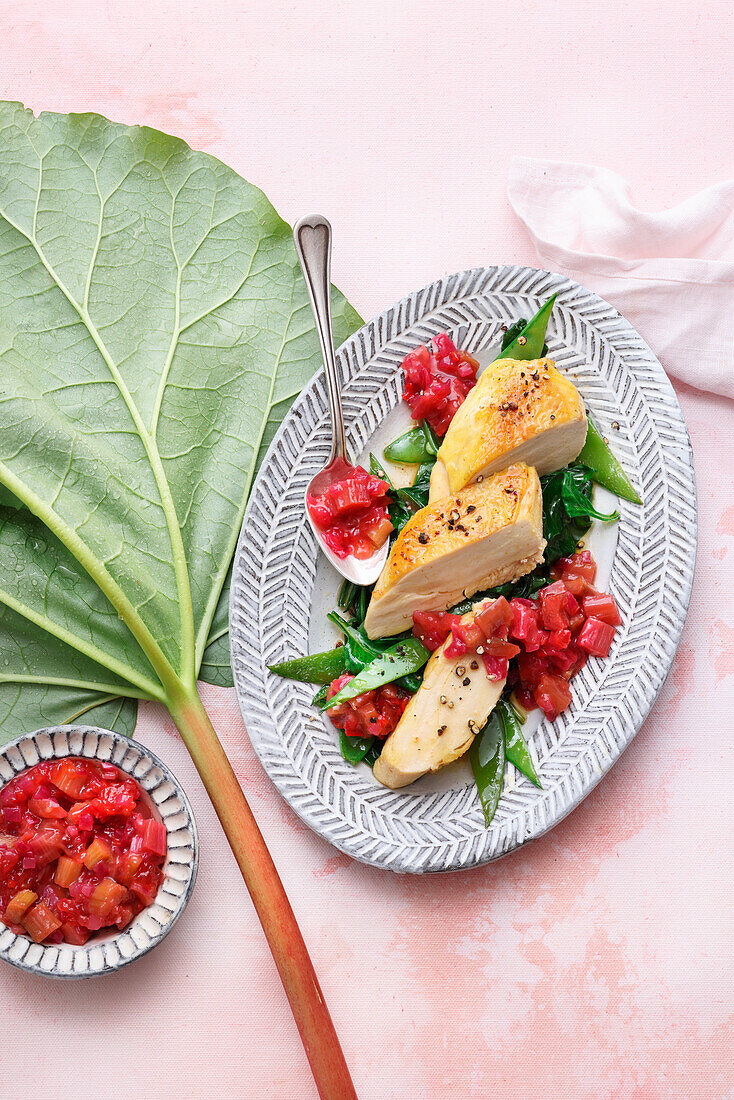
(652, 575)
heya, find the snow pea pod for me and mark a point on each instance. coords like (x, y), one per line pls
(512, 332)
(487, 758)
(412, 448)
(516, 747)
(354, 749)
(316, 668)
(401, 659)
(411, 682)
(530, 341)
(319, 698)
(604, 467)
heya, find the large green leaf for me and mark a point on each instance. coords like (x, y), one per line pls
(154, 329)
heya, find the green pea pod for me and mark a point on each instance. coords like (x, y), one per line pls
(320, 697)
(487, 758)
(354, 749)
(412, 682)
(378, 470)
(512, 332)
(529, 343)
(401, 659)
(516, 747)
(604, 467)
(411, 448)
(316, 668)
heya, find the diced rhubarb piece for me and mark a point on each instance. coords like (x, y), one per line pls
(154, 837)
(495, 618)
(531, 667)
(10, 815)
(578, 572)
(601, 606)
(432, 628)
(116, 799)
(106, 896)
(70, 776)
(74, 933)
(552, 695)
(18, 905)
(81, 816)
(127, 867)
(146, 882)
(67, 871)
(576, 621)
(525, 625)
(99, 850)
(47, 844)
(525, 698)
(559, 639)
(465, 638)
(39, 922)
(125, 914)
(496, 667)
(563, 659)
(46, 807)
(553, 601)
(596, 637)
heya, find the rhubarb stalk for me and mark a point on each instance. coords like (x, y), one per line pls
(271, 903)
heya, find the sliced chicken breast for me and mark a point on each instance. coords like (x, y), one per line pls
(518, 411)
(441, 720)
(485, 535)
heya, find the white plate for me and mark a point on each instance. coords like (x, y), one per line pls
(282, 588)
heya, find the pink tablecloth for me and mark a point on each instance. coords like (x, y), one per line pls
(598, 961)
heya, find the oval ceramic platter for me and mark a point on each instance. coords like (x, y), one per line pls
(282, 587)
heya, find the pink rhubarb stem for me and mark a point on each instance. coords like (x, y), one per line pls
(281, 929)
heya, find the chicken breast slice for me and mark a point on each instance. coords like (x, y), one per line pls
(485, 535)
(519, 411)
(441, 720)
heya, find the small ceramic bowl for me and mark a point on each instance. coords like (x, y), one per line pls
(111, 950)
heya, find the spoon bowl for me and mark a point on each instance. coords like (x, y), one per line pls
(312, 237)
(365, 571)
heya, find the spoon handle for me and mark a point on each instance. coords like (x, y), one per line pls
(312, 236)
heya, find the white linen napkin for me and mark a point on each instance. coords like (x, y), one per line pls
(671, 274)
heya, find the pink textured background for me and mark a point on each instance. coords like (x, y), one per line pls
(597, 962)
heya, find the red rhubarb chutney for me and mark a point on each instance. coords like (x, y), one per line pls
(375, 713)
(352, 513)
(80, 851)
(538, 644)
(437, 379)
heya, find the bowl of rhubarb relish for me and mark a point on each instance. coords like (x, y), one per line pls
(98, 851)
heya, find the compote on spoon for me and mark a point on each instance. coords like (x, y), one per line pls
(345, 506)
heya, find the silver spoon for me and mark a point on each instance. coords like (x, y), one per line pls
(312, 236)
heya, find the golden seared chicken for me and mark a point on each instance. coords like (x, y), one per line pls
(485, 535)
(441, 720)
(518, 411)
